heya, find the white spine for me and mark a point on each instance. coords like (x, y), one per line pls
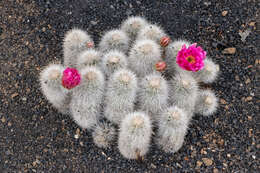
(120, 95)
(135, 135)
(114, 39)
(207, 103)
(151, 32)
(50, 80)
(143, 57)
(184, 92)
(103, 135)
(88, 58)
(209, 73)
(172, 129)
(112, 61)
(87, 98)
(133, 25)
(153, 95)
(74, 43)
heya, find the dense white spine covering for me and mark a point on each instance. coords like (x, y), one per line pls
(87, 98)
(151, 32)
(172, 129)
(135, 135)
(50, 80)
(209, 73)
(120, 95)
(75, 42)
(153, 95)
(133, 25)
(143, 57)
(104, 135)
(143, 48)
(89, 57)
(114, 39)
(207, 103)
(184, 92)
(113, 61)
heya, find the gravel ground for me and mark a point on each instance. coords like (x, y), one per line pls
(35, 138)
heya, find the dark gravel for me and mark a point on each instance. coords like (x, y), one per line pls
(35, 138)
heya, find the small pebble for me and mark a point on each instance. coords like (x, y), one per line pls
(224, 13)
(207, 161)
(199, 163)
(230, 51)
(76, 136)
(3, 120)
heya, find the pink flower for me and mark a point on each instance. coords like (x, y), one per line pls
(70, 78)
(191, 58)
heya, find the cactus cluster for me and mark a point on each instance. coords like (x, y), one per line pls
(132, 83)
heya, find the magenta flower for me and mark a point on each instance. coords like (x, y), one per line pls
(70, 78)
(191, 58)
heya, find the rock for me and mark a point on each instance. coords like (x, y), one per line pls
(199, 163)
(153, 166)
(224, 13)
(93, 22)
(215, 170)
(244, 34)
(230, 50)
(249, 98)
(252, 23)
(14, 95)
(207, 161)
(248, 81)
(3, 120)
(222, 101)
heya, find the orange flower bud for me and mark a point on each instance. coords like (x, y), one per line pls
(165, 41)
(160, 66)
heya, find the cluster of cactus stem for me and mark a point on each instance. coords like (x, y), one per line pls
(128, 86)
